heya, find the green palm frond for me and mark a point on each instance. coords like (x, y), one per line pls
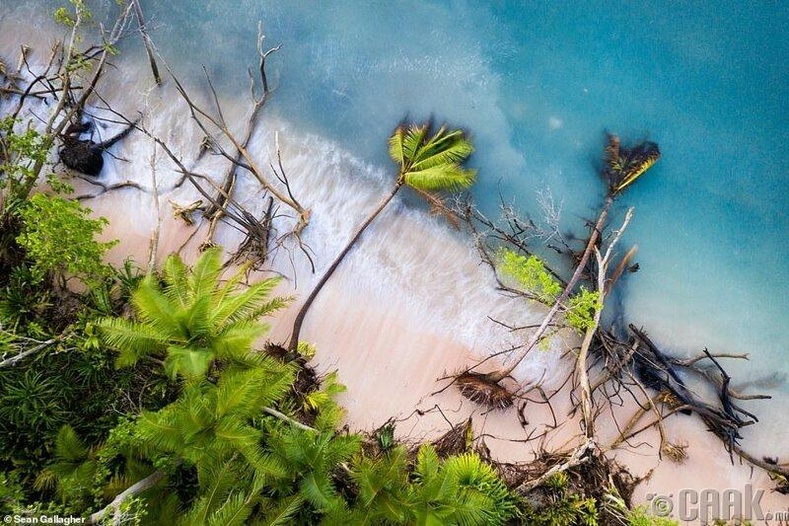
(317, 489)
(206, 271)
(236, 434)
(413, 139)
(219, 477)
(460, 490)
(235, 340)
(195, 320)
(340, 448)
(117, 484)
(439, 177)
(73, 471)
(443, 148)
(283, 514)
(382, 485)
(268, 468)
(396, 151)
(177, 288)
(159, 431)
(250, 304)
(196, 409)
(133, 340)
(427, 463)
(192, 319)
(192, 364)
(152, 308)
(431, 162)
(68, 445)
(239, 393)
(234, 511)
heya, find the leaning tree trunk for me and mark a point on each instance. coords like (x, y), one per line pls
(294, 337)
(497, 376)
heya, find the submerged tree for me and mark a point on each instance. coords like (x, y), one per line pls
(428, 162)
(623, 167)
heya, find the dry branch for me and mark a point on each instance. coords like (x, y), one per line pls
(147, 41)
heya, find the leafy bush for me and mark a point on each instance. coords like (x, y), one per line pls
(582, 308)
(59, 237)
(531, 274)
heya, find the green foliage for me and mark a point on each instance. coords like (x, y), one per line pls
(459, 490)
(31, 401)
(58, 235)
(311, 459)
(641, 517)
(69, 18)
(20, 153)
(191, 319)
(561, 506)
(306, 349)
(431, 162)
(582, 309)
(210, 423)
(321, 402)
(383, 487)
(74, 468)
(385, 436)
(24, 298)
(12, 494)
(530, 274)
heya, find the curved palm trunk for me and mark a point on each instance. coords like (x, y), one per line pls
(496, 376)
(294, 337)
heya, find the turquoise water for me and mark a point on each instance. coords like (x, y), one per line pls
(537, 84)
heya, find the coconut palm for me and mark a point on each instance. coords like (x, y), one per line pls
(623, 166)
(428, 162)
(192, 319)
(427, 490)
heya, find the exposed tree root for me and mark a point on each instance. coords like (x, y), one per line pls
(483, 390)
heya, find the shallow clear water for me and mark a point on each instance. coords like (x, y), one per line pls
(537, 83)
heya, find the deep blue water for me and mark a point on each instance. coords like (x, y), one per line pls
(537, 84)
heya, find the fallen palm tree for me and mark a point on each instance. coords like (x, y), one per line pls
(429, 161)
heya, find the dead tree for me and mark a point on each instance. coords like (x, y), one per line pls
(622, 168)
(610, 366)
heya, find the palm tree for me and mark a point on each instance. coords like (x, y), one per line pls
(192, 319)
(623, 166)
(428, 162)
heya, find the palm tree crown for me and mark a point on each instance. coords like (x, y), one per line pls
(434, 162)
(191, 318)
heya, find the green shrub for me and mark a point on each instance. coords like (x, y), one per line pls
(59, 237)
(530, 274)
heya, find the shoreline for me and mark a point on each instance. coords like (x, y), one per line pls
(390, 359)
(380, 311)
